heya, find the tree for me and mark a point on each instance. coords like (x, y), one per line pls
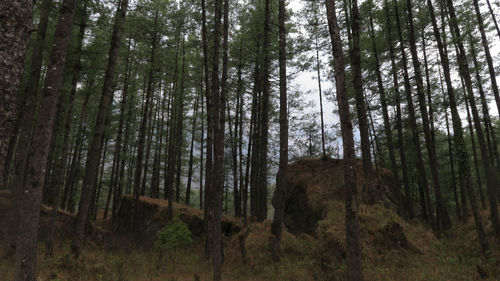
(28, 181)
(280, 193)
(354, 268)
(491, 179)
(93, 154)
(14, 40)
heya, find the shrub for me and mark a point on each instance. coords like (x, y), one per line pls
(174, 236)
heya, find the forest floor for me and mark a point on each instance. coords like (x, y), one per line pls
(389, 254)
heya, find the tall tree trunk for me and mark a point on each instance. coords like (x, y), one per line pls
(353, 245)
(27, 101)
(399, 122)
(202, 142)
(387, 124)
(255, 153)
(280, 193)
(191, 149)
(490, 133)
(16, 26)
(487, 54)
(138, 190)
(452, 169)
(234, 159)
(360, 99)
(264, 127)
(318, 68)
(491, 178)
(215, 150)
(493, 17)
(443, 221)
(60, 166)
(422, 177)
(28, 180)
(180, 126)
(118, 144)
(92, 162)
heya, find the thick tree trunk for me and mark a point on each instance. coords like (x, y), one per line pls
(15, 32)
(88, 186)
(28, 181)
(353, 245)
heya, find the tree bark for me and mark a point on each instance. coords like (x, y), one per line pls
(443, 221)
(487, 54)
(280, 193)
(15, 33)
(385, 115)
(88, 186)
(28, 181)
(422, 177)
(60, 166)
(491, 179)
(399, 122)
(353, 245)
(360, 99)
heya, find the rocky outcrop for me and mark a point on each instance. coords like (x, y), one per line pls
(315, 184)
(151, 216)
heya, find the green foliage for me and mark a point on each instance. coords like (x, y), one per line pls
(174, 236)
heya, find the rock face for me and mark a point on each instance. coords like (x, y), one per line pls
(65, 222)
(315, 184)
(151, 216)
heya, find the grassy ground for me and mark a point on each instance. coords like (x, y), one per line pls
(455, 257)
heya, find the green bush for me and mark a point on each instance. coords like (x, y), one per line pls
(174, 236)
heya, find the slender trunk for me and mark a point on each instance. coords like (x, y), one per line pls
(264, 127)
(60, 164)
(490, 132)
(138, 190)
(422, 177)
(88, 186)
(180, 127)
(353, 245)
(399, 123)
(491, 179)
(360, 99)
(487, 54)
(452, 170)
(443, 221)
(387, 124)
(318, 68)
(493, 17)
(191, 149)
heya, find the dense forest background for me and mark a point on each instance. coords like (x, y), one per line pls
(207, 102)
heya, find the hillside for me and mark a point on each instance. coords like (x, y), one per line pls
(393, 249)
